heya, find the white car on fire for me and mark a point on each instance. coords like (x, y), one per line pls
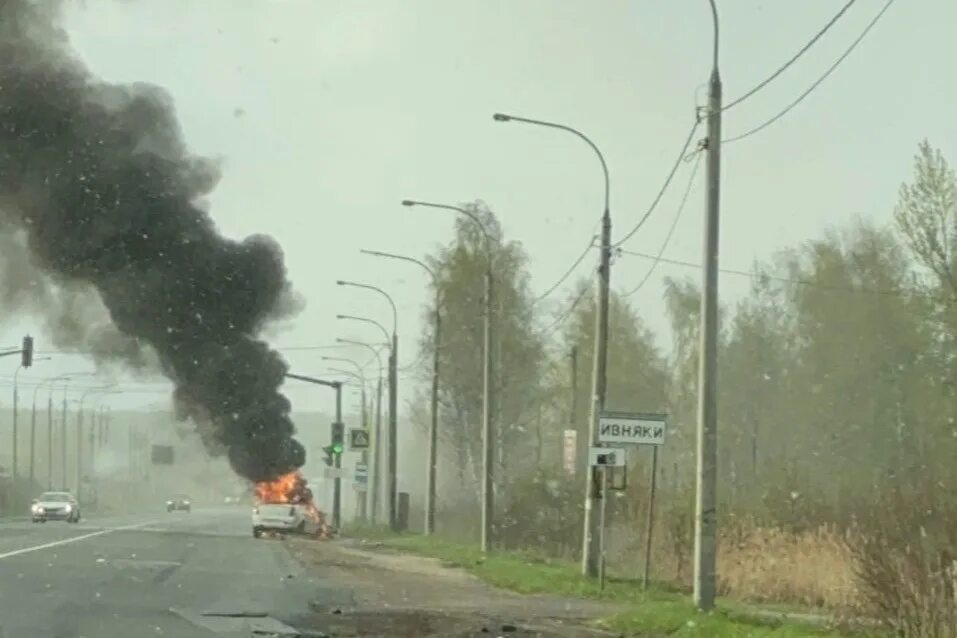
(55, 506)
(283, 518)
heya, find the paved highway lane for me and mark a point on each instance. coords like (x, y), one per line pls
(177, 574)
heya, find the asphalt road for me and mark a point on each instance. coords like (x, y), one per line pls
(183, 575)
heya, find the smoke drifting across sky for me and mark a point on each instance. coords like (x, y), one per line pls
(98, 192)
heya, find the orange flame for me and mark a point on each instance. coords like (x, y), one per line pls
(291, 488)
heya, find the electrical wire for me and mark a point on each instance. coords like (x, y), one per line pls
(681, 157)
(671, 230)
(794, 59)
(571, 269)
(567, 313)
(893, 292)
(817, 83)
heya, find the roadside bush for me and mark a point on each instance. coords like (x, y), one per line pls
(543, 514)
(906, 565)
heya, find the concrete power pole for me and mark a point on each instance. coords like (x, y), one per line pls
(392, 482)
(573, 423)
(337, 481)
(374, 480)
(488, 450)
(594, 484)
(434, 423)
(706, 522)
(50, 441)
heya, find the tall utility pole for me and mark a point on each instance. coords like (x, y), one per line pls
(374, 471)
(488, 449)
(593, 482)
(50, 440)
(392, 457)
(373, 481)
(706, 521)
(434, 421)
(393, 483)
(337, 481)
(63, 428)
(573, 408)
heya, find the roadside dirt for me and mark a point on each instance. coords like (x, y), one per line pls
(401, 595)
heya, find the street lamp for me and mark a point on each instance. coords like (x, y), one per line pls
(393, 401)
(487, 457)
(593, 488)
(79, 431)
(377, 435)
(33, 432)
(372, 322)
(63, 425)
(434, 422)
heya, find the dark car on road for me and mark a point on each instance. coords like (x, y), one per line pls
(55, 506)
(179, 502)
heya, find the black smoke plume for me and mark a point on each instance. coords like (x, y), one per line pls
(97, 181)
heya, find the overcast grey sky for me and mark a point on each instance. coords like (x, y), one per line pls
(327, 113)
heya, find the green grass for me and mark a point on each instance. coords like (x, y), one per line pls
(657, 612)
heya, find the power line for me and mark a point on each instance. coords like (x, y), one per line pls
(671, 230)
(571, 269)
(893, 292)
(568, 311)
(816, 83)
(794, 59)
(681, 156)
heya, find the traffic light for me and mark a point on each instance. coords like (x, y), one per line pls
(27, 352)
(338, 432)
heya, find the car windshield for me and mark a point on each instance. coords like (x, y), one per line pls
(277, 509)
(56, 497)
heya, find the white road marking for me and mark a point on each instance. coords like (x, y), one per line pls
(72, 539)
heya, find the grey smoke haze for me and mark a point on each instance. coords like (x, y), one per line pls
(101, 207)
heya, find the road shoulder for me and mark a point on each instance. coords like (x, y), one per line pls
(396, 593)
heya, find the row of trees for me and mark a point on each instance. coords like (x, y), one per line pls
(837, 372)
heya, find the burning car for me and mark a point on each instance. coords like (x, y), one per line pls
(285, 506)
(283, 518)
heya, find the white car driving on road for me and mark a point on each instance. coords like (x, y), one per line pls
(284, 518)
(55, 506)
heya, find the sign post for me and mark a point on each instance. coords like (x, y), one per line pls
(627, 428)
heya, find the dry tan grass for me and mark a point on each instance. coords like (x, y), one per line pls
(812, 568)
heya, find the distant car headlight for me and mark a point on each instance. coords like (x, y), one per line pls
(169, 502)
(185, 502)
(68, 508)
(36, 509)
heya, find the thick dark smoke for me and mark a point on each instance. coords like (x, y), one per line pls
(98, 182)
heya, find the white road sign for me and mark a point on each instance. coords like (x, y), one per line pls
(632, 429)
(606, 457)
(569, 447)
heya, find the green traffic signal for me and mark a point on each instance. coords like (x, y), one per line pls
(336, 448)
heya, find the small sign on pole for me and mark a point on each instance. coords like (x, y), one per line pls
(569, 449)
(632, 428)
(606, 457)
(361, 478)
(358, 439)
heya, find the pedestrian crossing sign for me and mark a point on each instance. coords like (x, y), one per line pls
(358, 439)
